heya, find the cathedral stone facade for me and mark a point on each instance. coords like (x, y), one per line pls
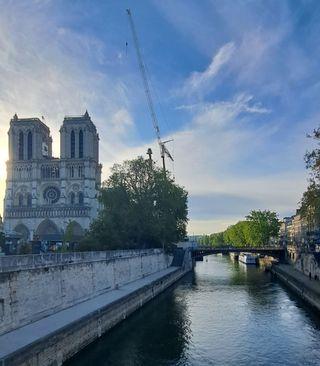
(45, 195)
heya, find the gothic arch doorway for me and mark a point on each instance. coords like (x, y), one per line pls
(74, 232)
(23, 231)
(48, 230)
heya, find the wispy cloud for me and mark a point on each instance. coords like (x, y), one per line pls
(200, 80)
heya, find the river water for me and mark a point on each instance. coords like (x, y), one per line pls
(223, 314)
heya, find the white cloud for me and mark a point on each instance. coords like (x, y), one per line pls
(200, 80)
(121, 121)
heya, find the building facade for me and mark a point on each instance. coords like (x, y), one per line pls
(44, 194)
(286, 231)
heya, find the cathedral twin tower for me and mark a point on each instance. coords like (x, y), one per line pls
(45, 194)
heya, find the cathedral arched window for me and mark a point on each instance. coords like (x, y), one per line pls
(20, 200)
(73, 144)
(80, 144)
(81, 198)
(72, 198)
(29, 144)
(21, 145)
(29, 200)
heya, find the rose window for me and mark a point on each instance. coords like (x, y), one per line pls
(51, 195)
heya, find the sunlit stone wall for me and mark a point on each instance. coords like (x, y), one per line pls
(30, 294)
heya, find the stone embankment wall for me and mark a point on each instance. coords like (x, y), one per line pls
(31, 292)
(309, 264)
(308, 290)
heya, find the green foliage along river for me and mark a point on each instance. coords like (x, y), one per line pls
(223, 314)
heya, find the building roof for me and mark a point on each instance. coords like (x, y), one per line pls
(84, 117)
(16, 119)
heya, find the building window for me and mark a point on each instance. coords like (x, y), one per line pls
(80, 144)
(29, 150)
(29, 200)
(50, 172)
(21, 145)
(20, 200)
(81, 198)
(72, 198)
(73, 144)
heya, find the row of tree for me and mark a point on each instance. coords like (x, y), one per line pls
(256, 231)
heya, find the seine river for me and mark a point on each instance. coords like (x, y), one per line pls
(223, 314)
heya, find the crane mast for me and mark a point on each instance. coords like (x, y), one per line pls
(163, 150)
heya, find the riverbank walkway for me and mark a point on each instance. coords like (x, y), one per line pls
(28, 335)
(305, 281)
(308, 289)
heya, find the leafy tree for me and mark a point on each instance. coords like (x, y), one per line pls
(312, 158)
(213, 240)
(216, 240)
(255, 231)
(142, 207)
(263, 226)
(310, 202)
(234, 235)
(310, 205)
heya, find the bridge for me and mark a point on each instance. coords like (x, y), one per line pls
(278, 252)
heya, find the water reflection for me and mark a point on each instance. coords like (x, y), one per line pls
(160, 331)
(225, 314)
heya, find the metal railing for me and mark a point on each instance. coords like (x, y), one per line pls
(18, 262)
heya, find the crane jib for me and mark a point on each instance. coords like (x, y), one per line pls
(163, 150)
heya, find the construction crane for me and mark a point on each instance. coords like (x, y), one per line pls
(162, 144)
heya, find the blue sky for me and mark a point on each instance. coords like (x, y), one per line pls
(236, 85)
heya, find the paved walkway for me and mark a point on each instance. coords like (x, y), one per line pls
(313, 285)
(22, 337)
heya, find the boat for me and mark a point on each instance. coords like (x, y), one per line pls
(247, 258)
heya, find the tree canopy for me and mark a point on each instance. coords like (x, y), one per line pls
(141, 208)
(256, 231)
(310, 202)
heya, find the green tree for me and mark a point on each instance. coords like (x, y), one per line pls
(312, 158)
(255, 231)
(310, 205)
(234, 235)
(310, 202)
(216, 240)
(213, 240)
(142, 207)
(263, 226)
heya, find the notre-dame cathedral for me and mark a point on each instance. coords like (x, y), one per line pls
(44, 194)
